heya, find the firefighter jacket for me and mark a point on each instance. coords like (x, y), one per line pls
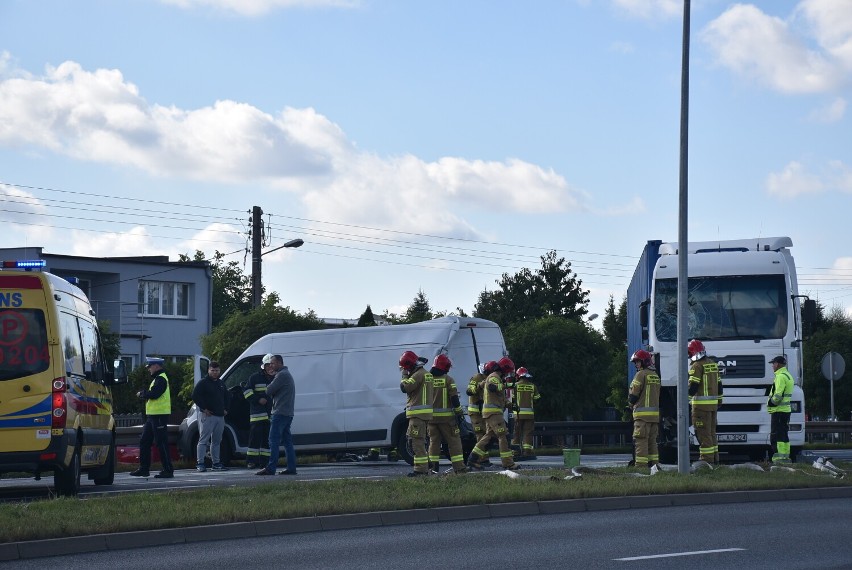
(781, 392)
(705, 384)
(526, 394)
(254, 389)
(445, 400)
(645, 387)
(474, 392)
(493, 401)
(418, 386)
(158, 398)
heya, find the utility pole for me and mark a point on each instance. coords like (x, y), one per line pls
(256, 242)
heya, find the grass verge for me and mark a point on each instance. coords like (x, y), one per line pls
(292, 498)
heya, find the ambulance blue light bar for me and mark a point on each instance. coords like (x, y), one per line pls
(24, 264)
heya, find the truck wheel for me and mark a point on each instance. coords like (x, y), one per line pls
(67, 481)
(107, 472)
(668, 455)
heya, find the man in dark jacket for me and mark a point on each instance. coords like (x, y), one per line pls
(212, 401)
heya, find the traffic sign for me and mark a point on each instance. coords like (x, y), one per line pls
(833, 366)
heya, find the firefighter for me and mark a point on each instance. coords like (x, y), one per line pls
(494, 404)
(644, 399)
(779, 409)
(417, 384)
(474, 401)
(447, 414)
(705, 396)
(526, 394)
(260, 407)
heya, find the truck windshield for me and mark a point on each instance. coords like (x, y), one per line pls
(23, 343)
(724, 308)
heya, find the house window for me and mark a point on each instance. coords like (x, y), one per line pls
(164, 299)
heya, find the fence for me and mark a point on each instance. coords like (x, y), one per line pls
(575, 434)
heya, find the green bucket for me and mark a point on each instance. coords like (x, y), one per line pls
(571, 457)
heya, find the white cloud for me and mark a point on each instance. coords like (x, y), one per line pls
(622, 47)
(649, 9)
(830, 113)
(259, 7)
(21, 215)
(840, 176)
(793, 181)
(768, 49)
(132, 243)
(99, 117)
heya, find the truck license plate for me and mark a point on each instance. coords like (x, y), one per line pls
(731, 437)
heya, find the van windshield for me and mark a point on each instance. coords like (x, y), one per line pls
(23, 343)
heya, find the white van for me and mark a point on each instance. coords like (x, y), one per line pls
(347, 382)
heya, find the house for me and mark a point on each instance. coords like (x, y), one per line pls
(157, 307)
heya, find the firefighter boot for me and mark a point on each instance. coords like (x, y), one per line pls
(474, 462)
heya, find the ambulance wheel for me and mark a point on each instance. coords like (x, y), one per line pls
(67, 481)
(106, 475)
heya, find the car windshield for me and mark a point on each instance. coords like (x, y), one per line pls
(724, 308)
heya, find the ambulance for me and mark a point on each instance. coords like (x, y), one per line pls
(55, 399)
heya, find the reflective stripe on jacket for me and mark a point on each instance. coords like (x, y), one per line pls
(646, 387)
(419, 388)
(705, 373)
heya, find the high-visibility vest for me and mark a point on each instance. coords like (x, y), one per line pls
(161, 406)
(781, 392)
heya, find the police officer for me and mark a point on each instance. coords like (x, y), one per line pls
(158, 408)
(526, 395)
(417, 384)
(644, 399)
(446, 415)
(705, 396)
(260, 407)
(779, 409)
(494, 404)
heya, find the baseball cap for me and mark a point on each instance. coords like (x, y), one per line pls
(778, 360)
(267, 359)
(149, 360)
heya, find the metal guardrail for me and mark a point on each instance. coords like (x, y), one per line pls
(575, 433)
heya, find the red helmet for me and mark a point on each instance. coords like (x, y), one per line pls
(408, 360)
(523, 373)
(443, 362)
(695, 349)
(506, 366)
(643, 357)
(490, 366)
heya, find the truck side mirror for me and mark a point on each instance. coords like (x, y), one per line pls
(644, 318)
(809, 311)
(119, 372)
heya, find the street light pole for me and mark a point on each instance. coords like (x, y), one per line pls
(256, 254)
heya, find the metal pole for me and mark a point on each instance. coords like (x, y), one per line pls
(831, 381)
(682, 272)
(256, 241)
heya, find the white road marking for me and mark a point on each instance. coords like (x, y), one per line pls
(674, 554)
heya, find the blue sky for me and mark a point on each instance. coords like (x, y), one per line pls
(425, 145)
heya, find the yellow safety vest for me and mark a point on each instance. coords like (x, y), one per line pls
(161, 406)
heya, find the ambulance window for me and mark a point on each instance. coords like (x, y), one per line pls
(91, 351)
(23, 343)
(72, 348)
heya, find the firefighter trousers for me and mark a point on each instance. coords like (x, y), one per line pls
(417, 430)
(449, 433)
(645, 442)
(704, 421)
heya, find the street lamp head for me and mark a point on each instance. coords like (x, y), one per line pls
(294, 243)
(592, 317)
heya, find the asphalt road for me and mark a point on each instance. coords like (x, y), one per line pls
(779, 534)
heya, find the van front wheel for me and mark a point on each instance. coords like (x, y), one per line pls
(67, 481)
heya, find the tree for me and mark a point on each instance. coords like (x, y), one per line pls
(552, 290)
(565, 359)
(419, 309)
(231, 337)
(615, 333)
(110, 342)
(615, 323)
(367, 319)
(232, 291)
(833, 333)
